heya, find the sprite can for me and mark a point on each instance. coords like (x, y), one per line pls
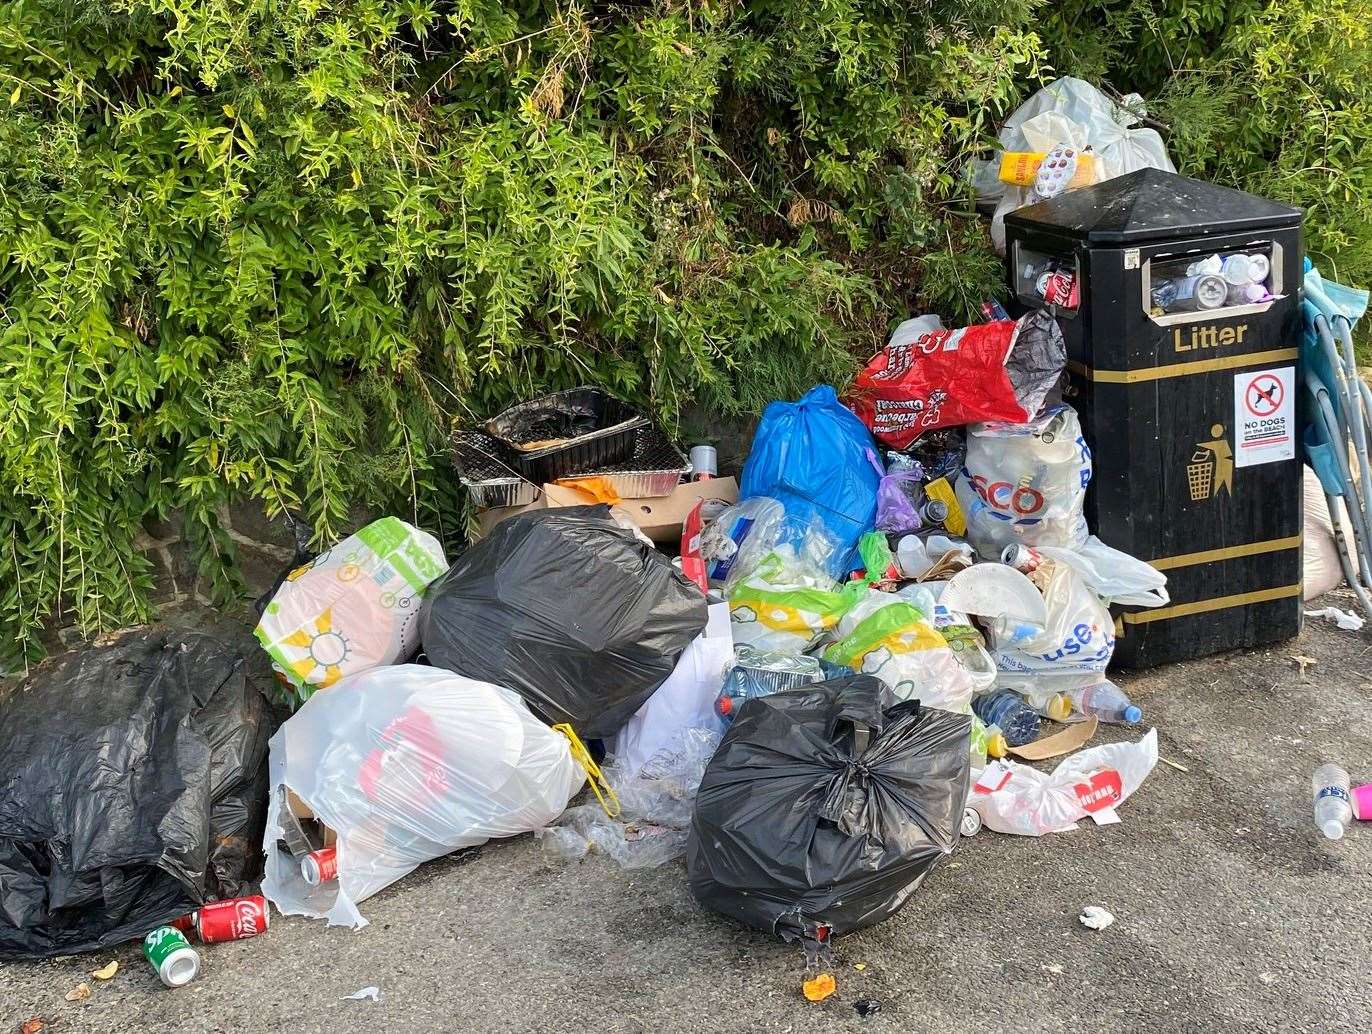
(171, 955)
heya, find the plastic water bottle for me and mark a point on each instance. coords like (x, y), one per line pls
(1005, 708)
(1107, 702)
(1333, 810)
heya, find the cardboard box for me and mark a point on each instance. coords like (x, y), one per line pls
(659, 517)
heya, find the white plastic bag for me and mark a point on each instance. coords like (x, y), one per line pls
(887, 636)
(1026, 483)
(685, 701)
(406, 764)
(1113, 575)
(785, 603)
(1320, 556)
(1014, 798)
(734, 542)
(353, 607)
(1074, 648)
(1070, 112)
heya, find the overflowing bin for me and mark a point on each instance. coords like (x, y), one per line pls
(1179, 302)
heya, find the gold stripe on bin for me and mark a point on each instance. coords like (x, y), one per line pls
(1158, 373)
(1242, 599)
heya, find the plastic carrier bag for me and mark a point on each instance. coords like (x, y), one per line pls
(134, 776)
(814, 458)
(1074, 647)
(406, 764)
(570, 611)
(1026, 482)
(785, 604)
(1112, 574)
(1073, 113)
(887, 636)
(826, 807)
(1014, 798)
(352, 607)
(685, 701)
(737, 540)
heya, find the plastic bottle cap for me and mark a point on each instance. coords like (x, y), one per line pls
(1133, 714)
(1332, 829)
(1362, 802)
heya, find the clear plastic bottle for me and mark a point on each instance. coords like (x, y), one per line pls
(1018, 722)
(1333, 811)
(1107, 702)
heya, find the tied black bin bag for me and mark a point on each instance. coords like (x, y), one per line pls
(574, 613)
(132, 789)
(824, 807)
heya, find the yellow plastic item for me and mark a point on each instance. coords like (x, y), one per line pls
(1058, 707)
(604, 792)
(996, 747)
(1021, 167)
(819, 987)
(941, 490)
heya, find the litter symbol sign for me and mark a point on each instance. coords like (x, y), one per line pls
(1264, 416)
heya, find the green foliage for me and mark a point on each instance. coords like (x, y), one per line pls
(257, 249)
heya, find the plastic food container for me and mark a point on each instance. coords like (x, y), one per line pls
(568, 432)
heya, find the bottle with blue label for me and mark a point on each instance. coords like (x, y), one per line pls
(1018, 722)
(1333, 809)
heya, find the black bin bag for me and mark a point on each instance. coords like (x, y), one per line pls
(133, 785)
(826, 807)
(571, 611)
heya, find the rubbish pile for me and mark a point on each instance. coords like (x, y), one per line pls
(808, 681)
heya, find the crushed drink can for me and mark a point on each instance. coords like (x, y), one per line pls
(235, 919)
(1025, 559)
(1058, 287)
(1259, 268)
(932, 512)
(171, 955)
(1206, 291)
(320, 866)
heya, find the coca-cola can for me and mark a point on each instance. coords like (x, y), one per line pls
(235, 919)
(1021, 557)
(320, 866)
(1058, 288)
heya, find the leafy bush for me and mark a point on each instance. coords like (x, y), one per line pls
(273, 250)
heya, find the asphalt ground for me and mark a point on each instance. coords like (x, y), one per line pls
(1232, 913)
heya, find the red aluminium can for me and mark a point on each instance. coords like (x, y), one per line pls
(233, 920)
(320, 866)
(1059, 287)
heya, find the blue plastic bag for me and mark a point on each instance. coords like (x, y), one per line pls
(814, 457)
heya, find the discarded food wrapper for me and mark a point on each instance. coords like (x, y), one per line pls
(405, 764)
(812, 456)
(819, 987)
(369, 994)
(106, 972)
(1095, 918)
(1014, 798)
(946, 378)
(1344, 619)
(352, 607)
(826, 806)
(568, 610)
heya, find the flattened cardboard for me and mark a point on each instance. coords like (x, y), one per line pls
(1071, 737)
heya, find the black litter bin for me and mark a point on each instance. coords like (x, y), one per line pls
(1179, 301)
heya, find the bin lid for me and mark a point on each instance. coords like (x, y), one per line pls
(1153, 205)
